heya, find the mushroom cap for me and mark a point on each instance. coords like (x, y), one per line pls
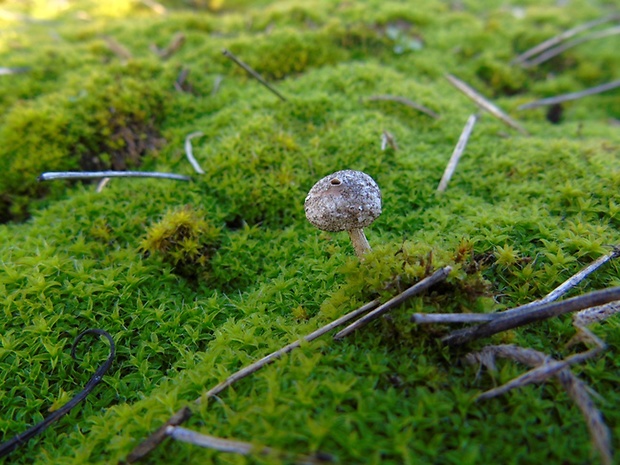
(344, 200)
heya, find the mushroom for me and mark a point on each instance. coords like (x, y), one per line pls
(345, 200)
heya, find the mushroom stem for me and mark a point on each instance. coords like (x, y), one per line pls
(360, 243)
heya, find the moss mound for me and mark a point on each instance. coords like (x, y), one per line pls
(235, 271)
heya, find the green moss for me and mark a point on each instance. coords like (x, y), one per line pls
(104, 121)
(185, 239)
(241, 272)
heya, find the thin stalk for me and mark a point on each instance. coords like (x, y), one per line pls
(450, 318)
(485, 104)
(51, 176)
(572, 96)
(458, 151)
(418, 288)
(253, 73)
(547, 44)
(533, 313)
(232, 446)
(573, 43)
(190, 153)
(562, 289)
(359, 241)
(404, 101)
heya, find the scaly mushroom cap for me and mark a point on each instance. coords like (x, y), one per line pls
(344, 200)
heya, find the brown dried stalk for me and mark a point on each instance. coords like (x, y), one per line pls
(573, 43)
(174, 46)
(485, 104)
(531, 313)
(458, 151)
(189, 152)
(119, 50)
(572, 96)
(575, 388)
(404, 101)
(238, 447)
(253, 73)
(562, 289)
(547, 44)
(418, 288)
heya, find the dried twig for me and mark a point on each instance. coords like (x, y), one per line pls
(547, 44)
(189, 152)
(566, 286)
(387, 138)
(253, 73)
(485, 104)
(51, 176)
(417, 288)
(575, 388)
(572, 96)
(450, 318)
(150, 443)
(458, 151)
(237, 447)
(9, 446)
(562, 289)
(531, 314)
(570, 44)
(540, 373)
(595, 314)
(181, 83)
(286, 349)
(117, 48)
(6, 71)
(155, 439)
(404, 101)
(576, 279)
(104, 182)
(175, 44)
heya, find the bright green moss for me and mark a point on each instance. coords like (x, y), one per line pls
(242, 273)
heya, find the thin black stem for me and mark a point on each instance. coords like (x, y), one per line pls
(20, 439)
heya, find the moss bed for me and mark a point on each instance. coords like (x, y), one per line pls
(195, 280)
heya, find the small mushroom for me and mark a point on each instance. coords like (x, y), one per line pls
(345, 200)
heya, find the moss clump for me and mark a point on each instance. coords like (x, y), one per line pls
(185, 240)
(107, 120)
(390, 269)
